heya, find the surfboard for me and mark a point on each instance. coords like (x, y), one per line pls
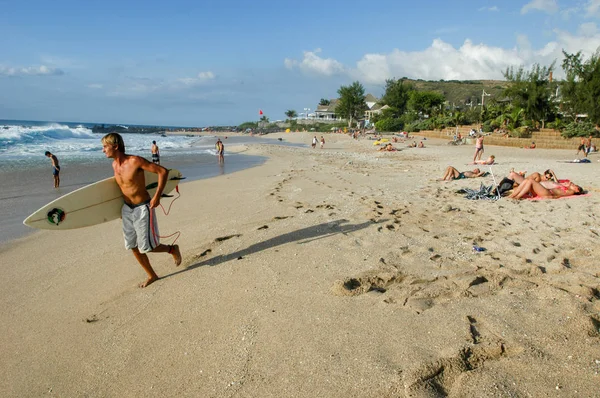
(93, 204)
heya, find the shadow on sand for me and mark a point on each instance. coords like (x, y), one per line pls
(301, 236)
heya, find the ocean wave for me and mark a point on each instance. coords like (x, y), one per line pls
(73, 141)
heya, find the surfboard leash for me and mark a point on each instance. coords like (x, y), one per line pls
(166, 213)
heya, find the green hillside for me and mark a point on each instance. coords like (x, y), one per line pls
(461, 92)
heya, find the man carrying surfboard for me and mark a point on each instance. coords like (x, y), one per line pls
(140, 228)
(55, 168)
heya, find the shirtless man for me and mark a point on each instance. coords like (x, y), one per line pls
(453, 174)
(581, 147)
(155, 153)
(55, 168)
(140, 228)
(478, 148)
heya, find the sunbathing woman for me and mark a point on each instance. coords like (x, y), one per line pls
(548, 175)
(488, 161)
(452, 174)
(531, 188)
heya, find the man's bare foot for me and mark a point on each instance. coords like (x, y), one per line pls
(174, 251)
(149, 281)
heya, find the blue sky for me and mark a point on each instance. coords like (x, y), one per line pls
(198, 63)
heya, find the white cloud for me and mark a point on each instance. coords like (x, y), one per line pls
(139, 86)
(492, 8)
(41, 70)
(95, 86)
(548, 6)
(200, 78)
(470, 61)
(593, 8)
(312, 63)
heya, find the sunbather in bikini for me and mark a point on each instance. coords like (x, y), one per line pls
(531, 188)
(453, 174)
(548, 179)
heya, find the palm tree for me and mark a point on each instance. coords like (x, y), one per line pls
(291, 114)
(264, 119)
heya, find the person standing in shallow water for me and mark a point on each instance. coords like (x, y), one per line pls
(155, 153)
(140, 228)
(220, 148)
(55, 168)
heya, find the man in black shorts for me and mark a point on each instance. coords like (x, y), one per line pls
(155, 153)
(55, 168)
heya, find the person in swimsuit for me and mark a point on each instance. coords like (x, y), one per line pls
(155, 153)
(548, 175)
(220, 148)
(531, 188)
(488, 161)
(55, 168)
(581, 147)
(452, 173)
(478, 148)
(140, 228)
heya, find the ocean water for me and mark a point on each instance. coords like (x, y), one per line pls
(26, 174)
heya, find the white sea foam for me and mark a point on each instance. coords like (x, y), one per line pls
(27, 141)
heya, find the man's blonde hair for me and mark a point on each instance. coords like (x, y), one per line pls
(114, 139)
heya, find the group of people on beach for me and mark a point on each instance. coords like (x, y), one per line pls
(586, 146)
(315, 141)
(140, 227)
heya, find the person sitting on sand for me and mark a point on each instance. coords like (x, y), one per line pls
(488, 161)
(421, 145)
(387, 148)
(413, 145)
(532, 146)
(452, 173)
(531, 188)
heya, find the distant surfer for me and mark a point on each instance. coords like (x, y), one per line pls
(140, 228)
(155, 153)
(55, 168)
(220, 148)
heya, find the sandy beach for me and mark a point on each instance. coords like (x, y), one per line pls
(341, 272)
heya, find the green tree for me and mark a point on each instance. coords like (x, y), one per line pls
(426, 102)
(290, 113)
(351, 105)
(580, 91)
(324, 102)
(265, 119)
(532, 91)
(397, 94)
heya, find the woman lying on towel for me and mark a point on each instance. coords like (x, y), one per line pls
(534, 189)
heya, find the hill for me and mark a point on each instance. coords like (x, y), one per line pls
(462, 92)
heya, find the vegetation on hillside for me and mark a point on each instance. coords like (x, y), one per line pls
(526, 101)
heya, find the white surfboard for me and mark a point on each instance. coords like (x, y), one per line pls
(93, 204)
